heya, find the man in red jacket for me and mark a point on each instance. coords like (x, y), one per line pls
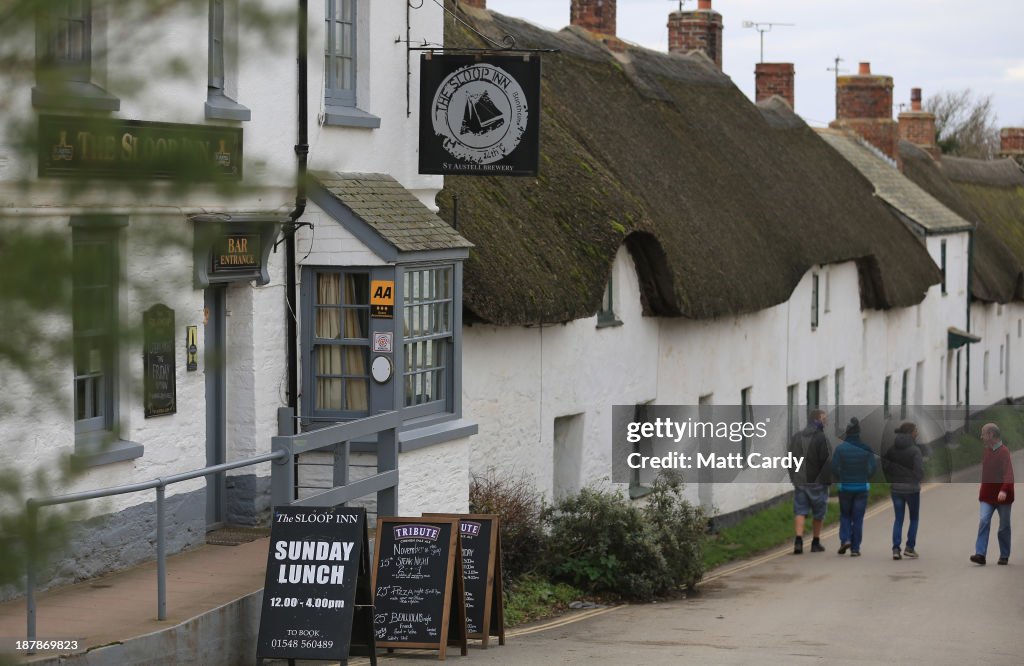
(996, 494)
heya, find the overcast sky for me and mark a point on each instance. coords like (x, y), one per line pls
(935, 45)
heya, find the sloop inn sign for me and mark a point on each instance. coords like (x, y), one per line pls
(479, 115)
(75, 146)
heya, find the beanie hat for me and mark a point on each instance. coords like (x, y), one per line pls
(853, 428)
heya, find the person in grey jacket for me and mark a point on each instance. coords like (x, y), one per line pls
(904, 469)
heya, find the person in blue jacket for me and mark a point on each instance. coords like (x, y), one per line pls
(853, 463)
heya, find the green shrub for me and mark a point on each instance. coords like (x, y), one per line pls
(519, 507)
(601, 542)
(533, 598)
(680, 529)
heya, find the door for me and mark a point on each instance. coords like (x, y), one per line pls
(216, 415)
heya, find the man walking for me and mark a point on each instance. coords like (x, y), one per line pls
(810, 485)
(995, 495)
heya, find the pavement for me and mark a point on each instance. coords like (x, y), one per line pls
(777, 608)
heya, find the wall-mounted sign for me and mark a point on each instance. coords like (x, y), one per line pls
(82, 146)
(384, 343)
(236, 249)
(382, 299)
(159, 392)
(236, 252)
(479, 117)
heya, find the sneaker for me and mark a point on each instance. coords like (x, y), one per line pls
(816, 547)
(910, 552)
(798, 545)
(896, 554)
(855, 553)
(844, 547)
(1003, 560)
(978, 559)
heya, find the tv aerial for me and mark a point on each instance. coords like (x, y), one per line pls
(763, 27)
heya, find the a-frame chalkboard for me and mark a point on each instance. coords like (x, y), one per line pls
(419, 600)
(317, 599)
(481, 570)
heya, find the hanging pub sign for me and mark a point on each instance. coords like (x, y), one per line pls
(87, 147)
(479, 115)
(159, 392)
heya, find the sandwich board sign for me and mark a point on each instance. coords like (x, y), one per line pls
(481, 572)
(419, 600)
(317, 594)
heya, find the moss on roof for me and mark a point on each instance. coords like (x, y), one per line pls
(991, 194)
(723, 205)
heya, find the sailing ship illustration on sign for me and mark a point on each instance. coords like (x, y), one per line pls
(481, 115)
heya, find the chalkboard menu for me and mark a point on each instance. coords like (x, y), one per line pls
(481, 572)
(159, 393)
(316, 600)
(417, 583)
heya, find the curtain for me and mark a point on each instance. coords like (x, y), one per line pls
(356, 390)
(328, 357)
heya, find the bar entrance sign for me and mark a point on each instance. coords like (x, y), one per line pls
(481, 571)
(317, 596)
(419, 600)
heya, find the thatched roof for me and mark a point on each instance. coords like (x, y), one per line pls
(991, 194)
(724, 205)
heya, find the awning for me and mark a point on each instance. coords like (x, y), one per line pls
(959, 337)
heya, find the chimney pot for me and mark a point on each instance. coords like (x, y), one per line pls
(593, 15)
(865, 69)
(703, 4)
(915, 99)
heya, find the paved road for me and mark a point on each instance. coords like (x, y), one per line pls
(821, 607)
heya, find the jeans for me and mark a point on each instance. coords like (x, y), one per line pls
(851, 518)
(913, 502)
(981, 547)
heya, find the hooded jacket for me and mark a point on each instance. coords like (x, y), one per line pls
(903, 466)
(853, 463)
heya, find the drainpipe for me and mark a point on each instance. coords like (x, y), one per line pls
(967, 372)
(302, 152)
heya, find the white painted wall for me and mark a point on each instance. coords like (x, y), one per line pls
(518, 381)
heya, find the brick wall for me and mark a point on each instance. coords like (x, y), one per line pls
(774, 78)
(594, 15)
(699, 30)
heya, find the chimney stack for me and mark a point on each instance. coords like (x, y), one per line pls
(1011, 143)
(480, 4)
(774, 78)
(865, 106)
(699, 30)
(917, 126)
(594, 15)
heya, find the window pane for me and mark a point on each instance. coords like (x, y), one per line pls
(357, 393)
(357, 323)
(328, 394)
(328, 323)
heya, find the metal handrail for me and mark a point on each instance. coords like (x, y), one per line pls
(284, 448)
(32, 507)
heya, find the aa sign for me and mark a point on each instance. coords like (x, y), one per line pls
(382, 299)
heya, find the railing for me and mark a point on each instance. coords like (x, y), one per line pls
(284, 448)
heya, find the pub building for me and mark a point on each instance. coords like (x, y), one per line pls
(180, 183)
